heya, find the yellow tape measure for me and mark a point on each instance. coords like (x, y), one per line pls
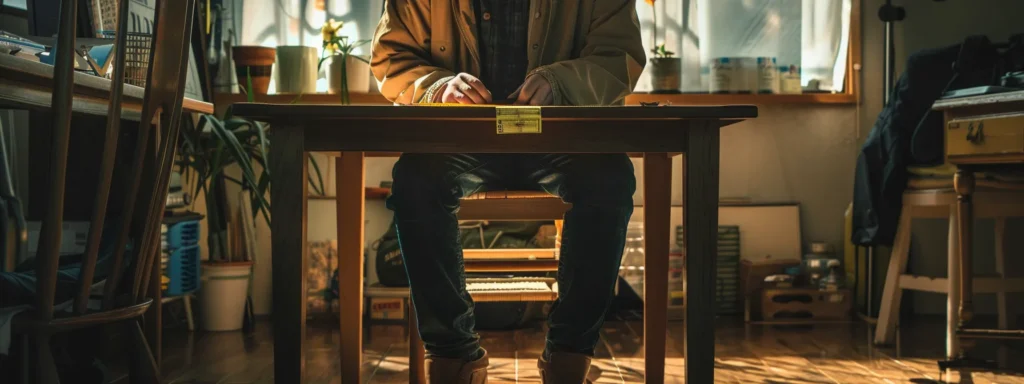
(512, 120)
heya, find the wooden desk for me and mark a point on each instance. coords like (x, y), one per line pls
(982, 133)
(355, 130)
(26, 84)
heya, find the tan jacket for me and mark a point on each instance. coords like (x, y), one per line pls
(589, 50)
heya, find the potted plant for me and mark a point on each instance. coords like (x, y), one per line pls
(207, 150)
(344, 70)
(255, 63)
(666, 70)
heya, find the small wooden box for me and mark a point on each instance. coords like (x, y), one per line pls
(800, 305)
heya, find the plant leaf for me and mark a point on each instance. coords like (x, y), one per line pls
(319, 176)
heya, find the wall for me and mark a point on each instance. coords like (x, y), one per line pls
(931, 24)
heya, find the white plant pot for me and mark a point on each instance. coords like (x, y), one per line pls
(296, 69)
(224, 287)
(358, 74)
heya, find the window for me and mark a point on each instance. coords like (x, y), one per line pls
(813, 34)
(16, 4)
(273, 23)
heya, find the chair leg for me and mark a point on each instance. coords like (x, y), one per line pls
(893, 293)
(142, 368)
(953, 285)
(1001, 300)
(558, 238)
(25, 360)
(417, 369)
(45, 367)
(187, 301)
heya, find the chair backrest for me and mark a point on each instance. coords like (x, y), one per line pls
(150, 161)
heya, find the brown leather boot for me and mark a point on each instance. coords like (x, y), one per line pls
(456, 371)
(568, 368)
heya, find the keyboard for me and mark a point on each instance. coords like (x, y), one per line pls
(512, 289)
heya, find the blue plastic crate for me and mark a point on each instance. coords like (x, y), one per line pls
(181, 234)
(182, 271)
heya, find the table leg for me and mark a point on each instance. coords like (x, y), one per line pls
(657, 220)
(700, 176)
(963, 183)
(350, 197)
(417, 355)
(953, 285)
(288, 258)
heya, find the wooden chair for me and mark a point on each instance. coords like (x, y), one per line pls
(141, 203)
(500, 206)
(935, 199)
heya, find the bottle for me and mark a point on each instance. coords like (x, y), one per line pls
(676, 284)
(834, 281)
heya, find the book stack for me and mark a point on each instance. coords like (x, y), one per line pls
(727, 293)
(180, 256)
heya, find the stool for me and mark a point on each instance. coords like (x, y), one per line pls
(499, 206)
(935, 198)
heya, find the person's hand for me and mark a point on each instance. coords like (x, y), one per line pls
(535, 91)
(465, 89)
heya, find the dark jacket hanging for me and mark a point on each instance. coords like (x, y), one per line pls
(907, 132)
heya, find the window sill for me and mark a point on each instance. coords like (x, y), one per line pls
(752, 99)
(222, 100)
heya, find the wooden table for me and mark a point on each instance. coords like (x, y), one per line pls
(26, 84)
(355, 130)
(983, 133)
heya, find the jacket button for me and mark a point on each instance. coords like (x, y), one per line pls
(487, 16)
(442, 48)
(535, 46)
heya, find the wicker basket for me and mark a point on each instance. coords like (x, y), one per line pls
(136, 61)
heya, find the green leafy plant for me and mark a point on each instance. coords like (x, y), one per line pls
(661, 53)
(339, 48)
(208, 149)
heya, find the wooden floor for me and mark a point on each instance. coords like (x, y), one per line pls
(744, 354)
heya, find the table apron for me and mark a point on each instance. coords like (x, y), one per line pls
(475, 136)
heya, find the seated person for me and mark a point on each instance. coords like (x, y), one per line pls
(532, 52)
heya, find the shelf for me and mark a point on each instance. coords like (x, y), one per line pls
(752, 99)
(372, 193)
(310, 98)
(222, 100)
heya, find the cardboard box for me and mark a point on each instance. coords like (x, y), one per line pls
(387, 308)
(806, 305)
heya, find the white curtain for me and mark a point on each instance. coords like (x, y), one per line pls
(274, 23)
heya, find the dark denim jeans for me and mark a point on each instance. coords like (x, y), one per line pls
(425, 199)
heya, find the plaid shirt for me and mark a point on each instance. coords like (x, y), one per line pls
(503, 27)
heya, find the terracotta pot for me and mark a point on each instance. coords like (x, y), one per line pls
(666, 74)
(255, 63)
